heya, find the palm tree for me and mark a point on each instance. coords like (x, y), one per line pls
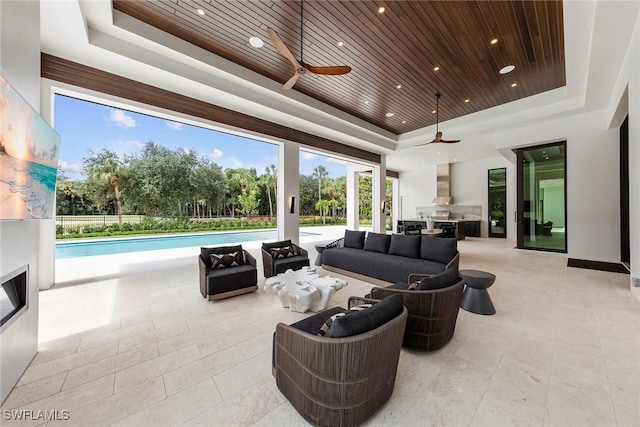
(270, 179)
(323, 207)
(318, 173)
(106, 166)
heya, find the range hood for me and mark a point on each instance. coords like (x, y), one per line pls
(443, 184)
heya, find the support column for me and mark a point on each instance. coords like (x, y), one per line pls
(379, 194)
(288, 192)
(353, 198)
(395, 205)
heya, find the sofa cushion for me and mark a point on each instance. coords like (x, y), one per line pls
(403, 245)
(390, 268)
(377, 242)
(362, 321)
(232, 259)
(354, 239)
(440, 249)
(439, 281)
(280, 244)
(205, 252)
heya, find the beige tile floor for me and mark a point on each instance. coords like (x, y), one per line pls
(145, 349)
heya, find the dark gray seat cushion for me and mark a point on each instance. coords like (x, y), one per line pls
(295, 263)
(359, 322)
(406, 246)
(377, 242)
(390, 268)
(354, 239)
(442, 249)
(273, 245)
(439, 281)
(231, 279)
(312, 324)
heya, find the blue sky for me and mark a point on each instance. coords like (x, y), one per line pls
(85, 126)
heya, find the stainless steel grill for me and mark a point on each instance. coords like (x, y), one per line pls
(440, 215)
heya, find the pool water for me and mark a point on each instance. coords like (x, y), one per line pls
(138, 244)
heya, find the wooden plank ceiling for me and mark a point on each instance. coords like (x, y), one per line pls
(400, 46)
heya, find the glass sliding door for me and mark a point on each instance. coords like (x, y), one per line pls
(541, 214)
(497, 185)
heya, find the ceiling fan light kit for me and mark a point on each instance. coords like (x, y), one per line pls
(300, 66)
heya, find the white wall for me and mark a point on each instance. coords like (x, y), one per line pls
(469, 187)
(19, 240)
(417, 188)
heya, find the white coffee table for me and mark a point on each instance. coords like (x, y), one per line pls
(303, 289)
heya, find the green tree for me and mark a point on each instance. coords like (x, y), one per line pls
(319, 173)
(107, 166)
(307, 189)
(323, 207)
(270, 179)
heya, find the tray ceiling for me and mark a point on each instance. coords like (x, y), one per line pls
(399, 47)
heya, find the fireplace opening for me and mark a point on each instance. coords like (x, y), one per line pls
(13, 294)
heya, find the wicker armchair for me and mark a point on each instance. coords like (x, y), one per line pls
(216, 284)
(432, 314)
(337, 381)
(272, 266)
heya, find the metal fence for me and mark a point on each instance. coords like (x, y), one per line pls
(96, 220)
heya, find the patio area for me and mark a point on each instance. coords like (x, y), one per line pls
(140, 346)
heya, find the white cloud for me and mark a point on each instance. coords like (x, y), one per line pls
(132, 143)
(216, 154)
(308, 156)
(121, 118)
(70, 167)
(173, 125)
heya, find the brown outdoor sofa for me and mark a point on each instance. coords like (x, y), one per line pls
(339, 381)
(432, 313)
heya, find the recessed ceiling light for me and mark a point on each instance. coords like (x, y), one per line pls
(466, 100)
(438, 152)
(200, 12)
(399, 87)
(381, 9)
(507, 69)
(514, 84)
(433, 112)
(340, 43)
(390, 114)
(256, 42)
(436, 68)
(404, 121)
(494, 41)
(366, 102)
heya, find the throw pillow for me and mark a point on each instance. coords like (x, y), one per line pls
(354, 239)
(226, 260)
(406, 246)
(439, 281)
(324, 329)
(377, 242)
(283, 252)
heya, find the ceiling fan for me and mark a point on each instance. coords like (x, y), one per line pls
(300, 66)
(438, 137)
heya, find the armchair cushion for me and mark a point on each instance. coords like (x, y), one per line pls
(442, 249)
(232, 259)
(354, 239)
(439, 281)
(406, 246)
(361, 321)
(377, 242)
(326, 326)
(273, 245)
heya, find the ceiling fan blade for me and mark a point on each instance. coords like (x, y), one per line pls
(289, 84)
(282, 48)
(335, 70)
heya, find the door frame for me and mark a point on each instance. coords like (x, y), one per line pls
(520, 228)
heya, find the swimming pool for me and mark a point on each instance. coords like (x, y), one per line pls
(138, 244)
